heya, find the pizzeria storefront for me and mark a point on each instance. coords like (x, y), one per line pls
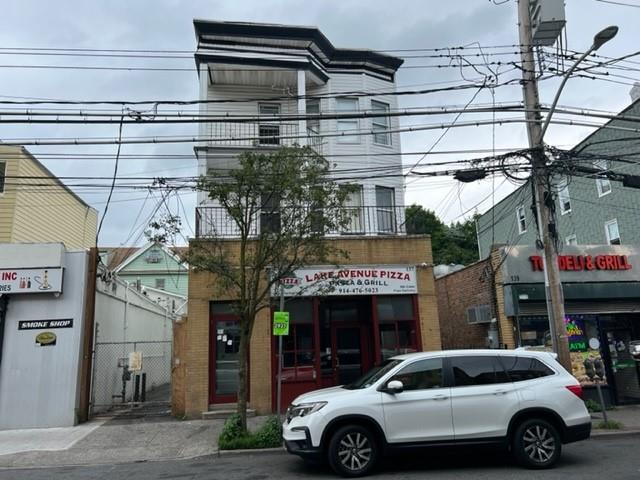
(343, 320)
(601, 286)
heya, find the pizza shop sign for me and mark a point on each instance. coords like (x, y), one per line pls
(353, 280)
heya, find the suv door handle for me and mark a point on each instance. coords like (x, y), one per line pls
(440, 397)
(500, 392)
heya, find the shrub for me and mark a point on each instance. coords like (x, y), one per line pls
(610, 425)
(592, 405)
(267, 436)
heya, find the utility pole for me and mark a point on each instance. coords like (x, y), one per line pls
(541, 185)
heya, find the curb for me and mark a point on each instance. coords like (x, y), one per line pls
(249, 451)
(601, 432)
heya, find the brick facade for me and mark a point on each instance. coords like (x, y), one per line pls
(477, 284)
(456, 293)
(192, 390)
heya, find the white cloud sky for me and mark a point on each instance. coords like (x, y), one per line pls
(374, 24)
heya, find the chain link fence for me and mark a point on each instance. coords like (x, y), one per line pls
(115, 385)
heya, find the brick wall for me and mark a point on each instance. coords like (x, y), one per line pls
(457, 292)
(407, 250)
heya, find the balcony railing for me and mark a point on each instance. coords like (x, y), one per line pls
(215, 222)
(262, 134)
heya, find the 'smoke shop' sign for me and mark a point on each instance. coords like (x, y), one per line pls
(352, 280)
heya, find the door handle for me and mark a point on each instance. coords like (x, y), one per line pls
(440, 397)
(500, 392)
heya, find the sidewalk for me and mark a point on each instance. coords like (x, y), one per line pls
(113, 440)
(628, 416)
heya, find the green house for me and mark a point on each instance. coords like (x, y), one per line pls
(157, 267)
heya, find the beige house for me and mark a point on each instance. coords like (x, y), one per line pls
(37, 207)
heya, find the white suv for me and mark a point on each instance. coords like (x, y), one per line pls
(523, 400)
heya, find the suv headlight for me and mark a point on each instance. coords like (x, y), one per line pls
(303, 409)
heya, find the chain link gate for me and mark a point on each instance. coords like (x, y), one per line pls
(115, 387)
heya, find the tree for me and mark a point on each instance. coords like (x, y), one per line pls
(456, 243)
(274, 211)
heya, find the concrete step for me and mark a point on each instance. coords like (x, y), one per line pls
(223, 414)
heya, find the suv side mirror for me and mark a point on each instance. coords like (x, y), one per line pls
(395, 386)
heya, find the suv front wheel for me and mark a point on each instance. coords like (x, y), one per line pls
(536, 444)
(352, 451)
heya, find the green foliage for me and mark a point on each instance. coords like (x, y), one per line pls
(592, 405)
(233, 437)
(277, 207)
(455, 243)
(609, 425)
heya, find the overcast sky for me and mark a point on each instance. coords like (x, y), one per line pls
(373, 24)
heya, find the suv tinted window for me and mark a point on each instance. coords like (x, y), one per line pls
(480, 370)
(525, 368)
(421, 375)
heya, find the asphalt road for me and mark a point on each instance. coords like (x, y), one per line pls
(602, 459)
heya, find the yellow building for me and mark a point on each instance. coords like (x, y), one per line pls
(35, 206)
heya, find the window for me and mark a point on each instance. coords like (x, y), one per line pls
(269, 132)
(521, 219)
(612, 232)
(270, 214)
(3, 167)
(313, 108)
(571, 240)
(160, 283)
(478, 370)
(354, 209)
(421, 375)
(347, 127)
(602, 183)
(385, 209)
(520, 369)
(298, 348)
(380, 125)
(479, 314)
(563, 197)
(153, 256)
(397, 325)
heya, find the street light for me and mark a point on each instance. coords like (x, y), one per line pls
(599, 39)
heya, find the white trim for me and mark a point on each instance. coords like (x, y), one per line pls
(563, 191)
(181, 264)
(376, 122)
(348, 139)
(568, 238)
(518, 218)
(600, 182)
(606, 231)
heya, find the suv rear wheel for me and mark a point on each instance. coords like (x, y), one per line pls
(536, 444)
(352, 451)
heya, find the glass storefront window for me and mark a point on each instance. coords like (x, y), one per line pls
(397, 325)
(298, 361)
(394, 307)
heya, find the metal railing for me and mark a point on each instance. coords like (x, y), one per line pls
(215, 222)
(260, 134)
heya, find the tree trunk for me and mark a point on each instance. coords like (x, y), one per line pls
(243, 367)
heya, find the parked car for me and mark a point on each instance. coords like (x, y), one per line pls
(524, 401)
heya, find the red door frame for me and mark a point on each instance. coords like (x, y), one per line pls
(213, 332)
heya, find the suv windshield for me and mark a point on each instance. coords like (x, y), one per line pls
(373, 375)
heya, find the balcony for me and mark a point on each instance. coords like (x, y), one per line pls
(252, 135)
(214, 222)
